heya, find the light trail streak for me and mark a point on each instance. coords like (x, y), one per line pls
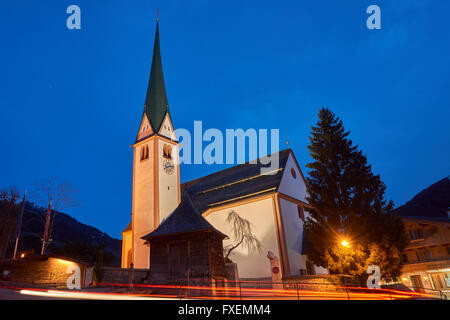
(91, 295)
(353, 294)
(228, 293)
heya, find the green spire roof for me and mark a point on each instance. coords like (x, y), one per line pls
(156, 104)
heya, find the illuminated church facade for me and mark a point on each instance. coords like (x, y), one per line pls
(273, 203)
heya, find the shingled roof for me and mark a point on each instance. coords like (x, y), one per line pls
(427, 220)
(185, 218)
(235, 183)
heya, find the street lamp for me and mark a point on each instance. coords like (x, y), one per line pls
(345, 243)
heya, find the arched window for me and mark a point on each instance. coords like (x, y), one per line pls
(144, 153)
(167, 151)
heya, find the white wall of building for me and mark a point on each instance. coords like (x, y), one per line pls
(293, 231)
(168, 183)
(143, 203)
(320, 270)
(127, 245)
(294, 187)
(261, 215)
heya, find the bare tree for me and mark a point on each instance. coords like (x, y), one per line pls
(56, 196)
(243, 236)
(9, 212)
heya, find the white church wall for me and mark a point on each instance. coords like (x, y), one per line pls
(293, 231)
(261, 214)
(168, 183)
(126, 246)
(292, 183)
(143, 204)
(320, 270)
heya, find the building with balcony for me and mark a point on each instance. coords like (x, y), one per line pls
(427, 257)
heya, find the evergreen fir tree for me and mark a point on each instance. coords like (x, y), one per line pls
(349, 204)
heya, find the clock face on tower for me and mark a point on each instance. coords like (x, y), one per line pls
(168, 167)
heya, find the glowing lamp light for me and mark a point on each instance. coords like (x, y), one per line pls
(22, 255)
(64, 262)
(404, 279)
(345, 243)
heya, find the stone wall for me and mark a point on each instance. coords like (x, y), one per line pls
(124, 276)
(320, 282)
(45, 271)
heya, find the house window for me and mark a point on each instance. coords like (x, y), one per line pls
(167, 151)
(448, 251)
(301, 213)
(416, 282)
(441, 280)
(405, 258)
(416, 234)
(424, 255)
(144, 153)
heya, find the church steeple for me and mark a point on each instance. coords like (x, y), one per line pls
(156, 168)
(156, 104)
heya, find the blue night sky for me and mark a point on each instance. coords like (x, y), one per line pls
(71, 100)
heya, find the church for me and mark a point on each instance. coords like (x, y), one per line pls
(273, 203)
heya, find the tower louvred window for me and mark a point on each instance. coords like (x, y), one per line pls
(167, 151)
(144, 153)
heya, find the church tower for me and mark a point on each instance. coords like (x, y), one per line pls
(156, 171)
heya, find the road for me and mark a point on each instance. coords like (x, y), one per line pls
(9, 294)
(94, 294)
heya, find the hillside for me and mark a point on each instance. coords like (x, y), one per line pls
(70, 237)
(433, 201)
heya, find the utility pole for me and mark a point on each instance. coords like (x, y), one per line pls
(47, 226)
(19, 224)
